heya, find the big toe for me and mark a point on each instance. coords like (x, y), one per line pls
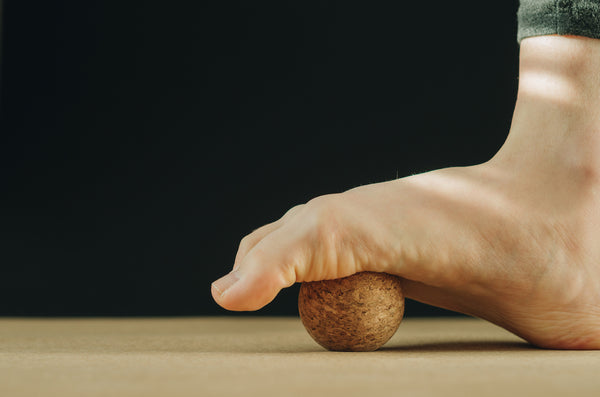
(240, 291)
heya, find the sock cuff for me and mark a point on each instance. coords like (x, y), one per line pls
(563, 17)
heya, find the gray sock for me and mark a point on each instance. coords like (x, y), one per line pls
(563, 17)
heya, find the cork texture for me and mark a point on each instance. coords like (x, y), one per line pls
(356, 313)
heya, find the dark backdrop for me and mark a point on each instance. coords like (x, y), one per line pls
(141, 140)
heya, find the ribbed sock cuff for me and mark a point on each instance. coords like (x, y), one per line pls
(563, 17)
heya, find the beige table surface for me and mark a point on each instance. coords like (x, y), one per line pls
(276, 357)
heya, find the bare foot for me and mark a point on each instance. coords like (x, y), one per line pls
(515, 241)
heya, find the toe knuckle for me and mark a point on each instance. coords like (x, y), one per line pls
(325, 217)
(245, 242)
(292, 211)
(256, 256)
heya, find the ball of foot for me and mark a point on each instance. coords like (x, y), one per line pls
(356, 313)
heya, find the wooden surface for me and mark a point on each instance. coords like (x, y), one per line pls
(276, 357)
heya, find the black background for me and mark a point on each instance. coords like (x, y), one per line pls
(141, 140)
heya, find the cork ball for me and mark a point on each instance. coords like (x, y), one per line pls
(356, 313)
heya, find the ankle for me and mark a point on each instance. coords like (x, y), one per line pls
(556, 124)
(562, 69)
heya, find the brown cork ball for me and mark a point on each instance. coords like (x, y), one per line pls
(357, 313)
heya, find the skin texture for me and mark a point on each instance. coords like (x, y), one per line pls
(515, 240)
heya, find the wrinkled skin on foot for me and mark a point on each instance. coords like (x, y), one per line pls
(515, 241)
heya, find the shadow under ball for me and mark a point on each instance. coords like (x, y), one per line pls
(356, 313)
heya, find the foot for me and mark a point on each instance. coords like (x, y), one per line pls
(515, 241)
